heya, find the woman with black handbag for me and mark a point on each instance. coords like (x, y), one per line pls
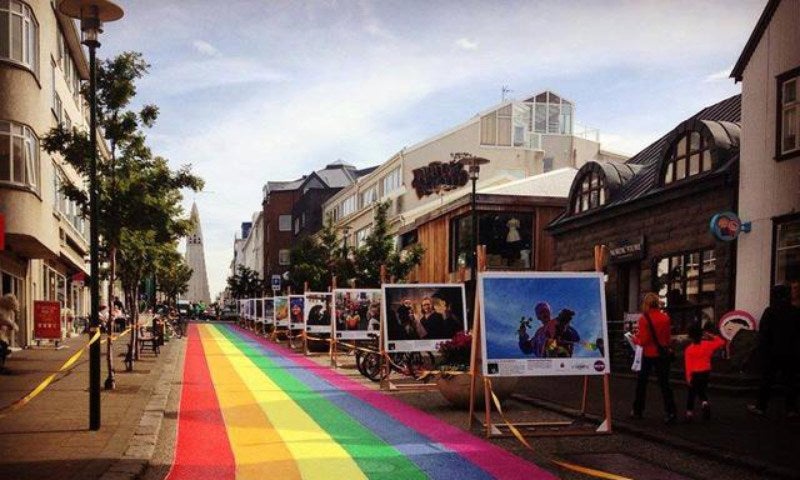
(654, 337)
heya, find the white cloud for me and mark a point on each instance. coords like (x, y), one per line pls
(205, 48)
(722, 75)
(323, 80)
(466, 44)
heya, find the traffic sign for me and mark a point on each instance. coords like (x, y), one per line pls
(276, 283)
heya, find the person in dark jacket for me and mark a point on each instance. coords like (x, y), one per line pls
(778, 335)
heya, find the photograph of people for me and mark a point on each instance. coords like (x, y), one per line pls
(544, 315)
(318, 311)
(281, 311)
(357, 312)
(420, 316)
(296, 319)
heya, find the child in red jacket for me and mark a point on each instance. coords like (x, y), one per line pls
(698, 368)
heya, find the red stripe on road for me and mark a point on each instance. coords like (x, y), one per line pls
(203, 450)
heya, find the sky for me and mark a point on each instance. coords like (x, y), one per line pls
(252, 91)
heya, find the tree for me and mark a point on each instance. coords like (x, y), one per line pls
(245, 283)
(317, 260)
(139, 196)
(172, 274)
(379, 251)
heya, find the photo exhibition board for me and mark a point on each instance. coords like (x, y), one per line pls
(418, 317)
(357, 313)
(281, 305)
(318, 312)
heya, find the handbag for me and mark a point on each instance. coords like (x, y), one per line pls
(664, 352)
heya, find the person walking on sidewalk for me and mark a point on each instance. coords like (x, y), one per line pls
(9, 306)
(654, 338)
(779, 336)
(697, 362)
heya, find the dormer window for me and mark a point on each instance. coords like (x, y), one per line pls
(592, 192)
(690, 155)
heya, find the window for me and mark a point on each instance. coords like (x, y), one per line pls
(361, 236)
(285, 223)
(507, 236)
(54, 286)
(787, 250)
(392, 181)
(591, 193)
(297, 225)
(19, 34)
(284, 257)
(496, 127)
(788, 125)
(69, 209)
(686, 282)
(369, 196)
(690, 156)
(19, 155)
(348, 206)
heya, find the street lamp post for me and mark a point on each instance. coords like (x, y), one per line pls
(92, 14)
(473, 164)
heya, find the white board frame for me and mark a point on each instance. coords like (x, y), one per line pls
(353, 334)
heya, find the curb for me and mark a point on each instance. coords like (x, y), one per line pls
(740, 460)
(142, 444)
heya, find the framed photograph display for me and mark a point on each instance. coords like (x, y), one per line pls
(269, 311)
(281, 305)
(318, 312)
(296, 312)
(259, 310)
(543, 323)
(417, 317)
(357, 313)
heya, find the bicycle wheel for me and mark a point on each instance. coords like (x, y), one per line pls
(372, 364)
(360, 362)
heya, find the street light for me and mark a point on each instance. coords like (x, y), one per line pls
(473, 165)
(92, 14)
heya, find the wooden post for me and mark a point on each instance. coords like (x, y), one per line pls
(475, 359)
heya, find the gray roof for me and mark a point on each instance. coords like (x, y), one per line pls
(639, 176)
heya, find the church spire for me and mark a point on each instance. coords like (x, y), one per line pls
(195, 259)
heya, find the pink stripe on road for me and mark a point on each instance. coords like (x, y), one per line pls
(494, 460)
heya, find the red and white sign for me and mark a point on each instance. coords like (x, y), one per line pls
(733, 321)
(46, 320)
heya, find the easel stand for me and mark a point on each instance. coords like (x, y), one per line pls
(520, 430)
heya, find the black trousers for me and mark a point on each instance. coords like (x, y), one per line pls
(661, 366)
(774, 367)
(697, 388)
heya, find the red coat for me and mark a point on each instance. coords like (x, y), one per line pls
(661, 324)
(697, 356)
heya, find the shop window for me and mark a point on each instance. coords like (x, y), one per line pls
(686, 283)
(788, 124)
(507, 236)
(689, 156)
(787, 250)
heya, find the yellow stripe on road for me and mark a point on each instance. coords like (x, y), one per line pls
(317, 454)
(257, 447)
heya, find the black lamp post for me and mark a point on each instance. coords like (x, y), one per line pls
(92, 14)
(473, 165)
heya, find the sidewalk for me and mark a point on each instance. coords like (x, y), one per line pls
(49, 437)
(734, 436)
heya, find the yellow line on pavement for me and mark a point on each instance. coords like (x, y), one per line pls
(317, 454)
(589, 471)
(47, 381)
(257, 447)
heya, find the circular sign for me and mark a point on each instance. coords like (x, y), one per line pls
(725, 226)
(730, 323)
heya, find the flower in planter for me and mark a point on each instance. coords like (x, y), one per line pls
(455, 354)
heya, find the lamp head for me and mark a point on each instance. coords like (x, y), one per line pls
(92, 14)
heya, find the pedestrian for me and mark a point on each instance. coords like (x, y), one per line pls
(9, 306)
(697, 362)
(778, 338)
(654, 337)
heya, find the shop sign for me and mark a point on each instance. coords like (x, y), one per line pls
(46, 320)
(726, 226)
(437, 176)
(733, 321)
(626, 250)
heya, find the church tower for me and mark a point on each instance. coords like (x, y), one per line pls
(196, 260)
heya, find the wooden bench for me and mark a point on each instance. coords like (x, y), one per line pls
(147, 339)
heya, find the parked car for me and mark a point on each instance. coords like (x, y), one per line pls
(229, 314)
(184, 308)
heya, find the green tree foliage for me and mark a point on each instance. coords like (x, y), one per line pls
(317, 260)
(245, 283)
(172, 274)
(379, 250)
